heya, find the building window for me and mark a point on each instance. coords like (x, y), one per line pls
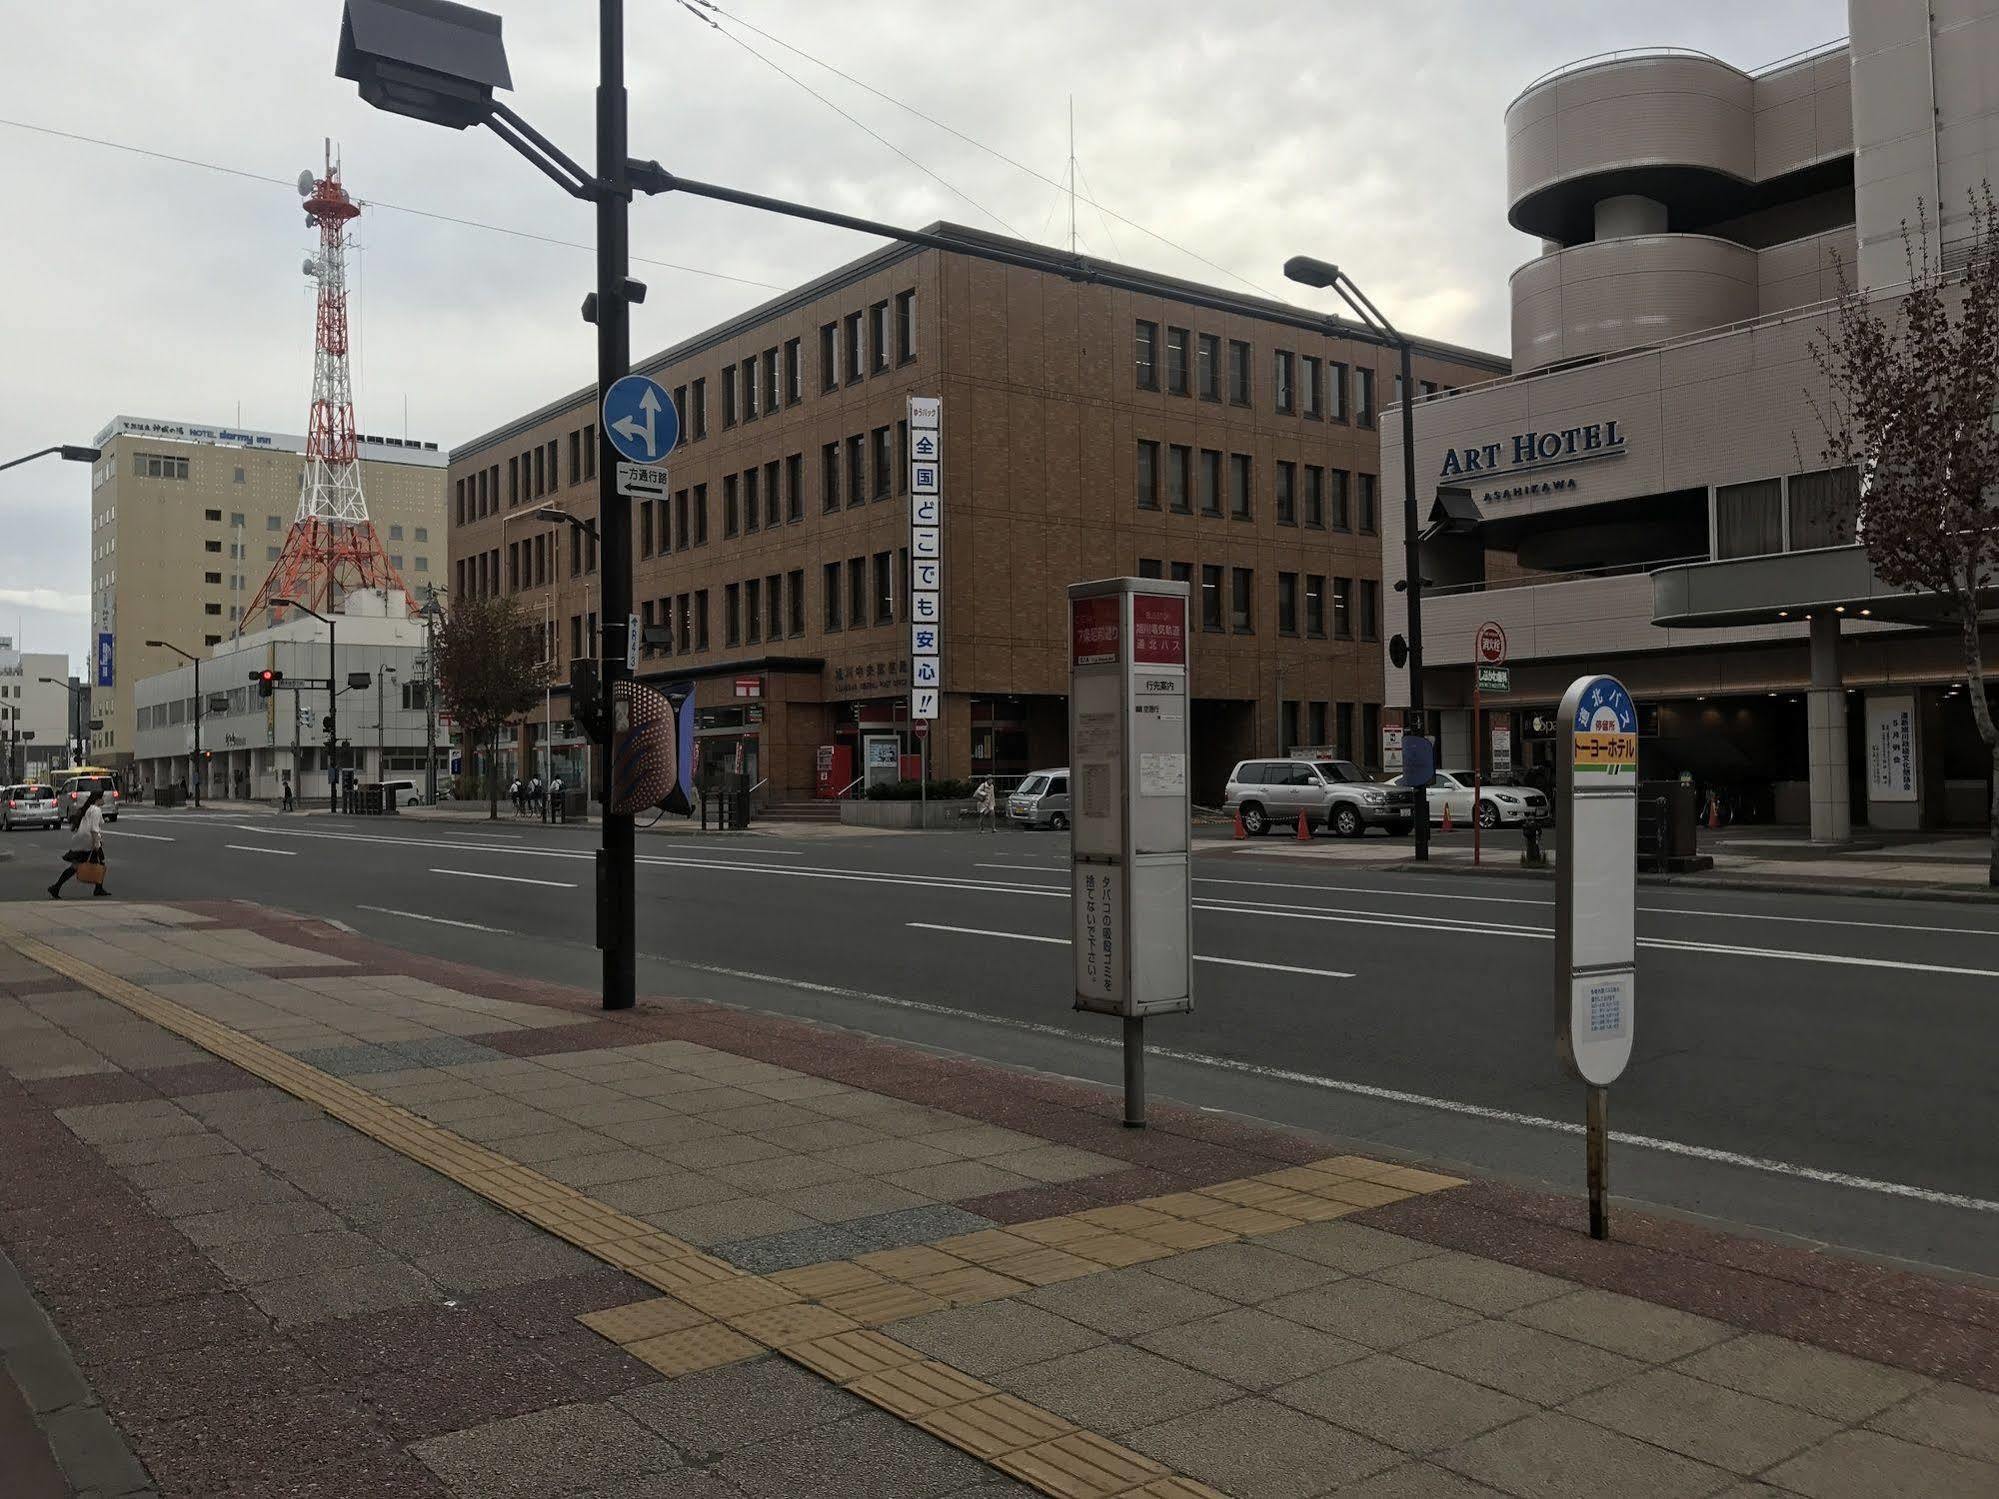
(160, 466)
(905, 326)
(1239, 505)
(701, 408)
(700, 620)
(215, 578)
(277, 523)
(1315, 610)
(1238, 372)
(878, 337)
(1288, 725)
(1318, 725)
(1370, 609)
(1242, 600)
(753, 610)
(773, 392)
(884, 590)
(857, 468)
(731, 519)
(645, 529)
(422, 532)
(1287, 493)
(794, 373)
(829, 585)
(750, 402)
(1315, 496)
(774, 606)
(1749, 519)
(1176, 361)
(1343, 608)
(728, 396)
(1343, 720)
(1336, 391)
(1145, 348)
(1287, 397)
(884, 462)
(773, 501)
(794, 487)
(1824, 508)
(829, 356)
(540, 475)
(700, 517)
(752, 507)
(1146, 469)
(795, 588)
(1287, 603)
(1341, 481)
(589, 452)
(1312, 377)
(855, 354)
(1367, 521)
(1211, 596)
(829, 476)
(902, 455)
(1210, 486)
(1151, 567)
(1363, 400)
(575, 457)
(1208, 366)
(857, 591)
(680, 515)
(1179, 479)
(1369, 747)
(681, 413)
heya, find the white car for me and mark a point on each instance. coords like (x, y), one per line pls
(1497, 805)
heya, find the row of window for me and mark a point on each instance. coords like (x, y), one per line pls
(1307, 385)
(1305, 605)
(1311, 725)
(530, 475)
(1308, 494)
(277, 523)
(158, 466)
(1797, 513)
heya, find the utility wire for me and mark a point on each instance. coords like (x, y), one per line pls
(422, 213)
(710, 5)
(694, 10)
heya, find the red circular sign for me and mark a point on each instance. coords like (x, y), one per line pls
(922, 728)
(1490, 644)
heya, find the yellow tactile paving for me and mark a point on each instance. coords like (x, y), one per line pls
(821, 1316)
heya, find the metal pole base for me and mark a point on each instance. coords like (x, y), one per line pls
(1597, 1126)
(1134, 1072)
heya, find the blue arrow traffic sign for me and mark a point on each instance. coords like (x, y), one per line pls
(640, 420)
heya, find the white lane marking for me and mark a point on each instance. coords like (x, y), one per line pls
(1670, 945)
(1884, 926)
(470, 926)
(1021, 869)
(973, 931)
(1298, 888)
(511, 879)
(149, 837)
(246, 848)
(1765, 1164)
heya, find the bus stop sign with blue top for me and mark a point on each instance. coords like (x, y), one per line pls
(640, 419)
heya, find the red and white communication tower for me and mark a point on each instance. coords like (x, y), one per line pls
(332, 548)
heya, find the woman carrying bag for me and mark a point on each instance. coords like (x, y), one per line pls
(86, 849)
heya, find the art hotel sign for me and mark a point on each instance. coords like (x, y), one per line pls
(1534, 452)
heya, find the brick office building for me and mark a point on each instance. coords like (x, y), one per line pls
(1087, 432)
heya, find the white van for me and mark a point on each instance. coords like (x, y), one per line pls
(1042, 800)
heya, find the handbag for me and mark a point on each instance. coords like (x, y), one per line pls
(90, 871)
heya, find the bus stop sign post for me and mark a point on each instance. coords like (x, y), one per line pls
(1132, 910)
(1596, 897)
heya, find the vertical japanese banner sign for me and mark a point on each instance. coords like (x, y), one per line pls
(926, 557)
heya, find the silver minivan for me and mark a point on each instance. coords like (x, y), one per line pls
(1041, 801)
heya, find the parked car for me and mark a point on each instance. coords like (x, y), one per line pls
(31, 804)
(1334, 794)
(1497, 804)
(406, 793)
(1042, 800)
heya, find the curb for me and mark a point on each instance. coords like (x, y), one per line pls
(84, 1442)
(1852, 889)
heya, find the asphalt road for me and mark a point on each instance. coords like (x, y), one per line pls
(1817, 1066)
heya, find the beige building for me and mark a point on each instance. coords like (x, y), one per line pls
(1646, 493)
(185, 522)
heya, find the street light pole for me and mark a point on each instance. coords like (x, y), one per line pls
(69, 451)
(168, 645)
(332, 700)
(1308, 271)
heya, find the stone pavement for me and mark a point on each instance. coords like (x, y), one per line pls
(316, 1217)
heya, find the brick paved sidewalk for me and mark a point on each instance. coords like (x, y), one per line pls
(317, 1217)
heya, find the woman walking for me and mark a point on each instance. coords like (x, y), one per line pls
(86, 845)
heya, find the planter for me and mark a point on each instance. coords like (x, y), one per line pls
(910, 814)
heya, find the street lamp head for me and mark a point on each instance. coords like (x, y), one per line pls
(552, 515)
(155, 645)
(1307, 271)
(74, 454)
(432, 60)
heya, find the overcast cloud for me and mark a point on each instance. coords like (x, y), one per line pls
(1369, 133)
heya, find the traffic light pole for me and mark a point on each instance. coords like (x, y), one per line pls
(198, 706)
(617, 905)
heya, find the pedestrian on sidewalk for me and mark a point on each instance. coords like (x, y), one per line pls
(514, 791)
(286, 804)
(86, 845)
(987, 803)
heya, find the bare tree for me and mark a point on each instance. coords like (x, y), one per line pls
(1913, 382)
(490, 669)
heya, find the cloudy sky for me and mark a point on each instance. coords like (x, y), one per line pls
(1242, 133)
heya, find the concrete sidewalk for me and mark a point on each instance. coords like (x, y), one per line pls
(317, 1217)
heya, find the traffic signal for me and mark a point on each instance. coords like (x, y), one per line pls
(267, 681)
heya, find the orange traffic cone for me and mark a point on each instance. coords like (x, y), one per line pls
(1304, 829)
(1240, 830)
(1447, 817)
